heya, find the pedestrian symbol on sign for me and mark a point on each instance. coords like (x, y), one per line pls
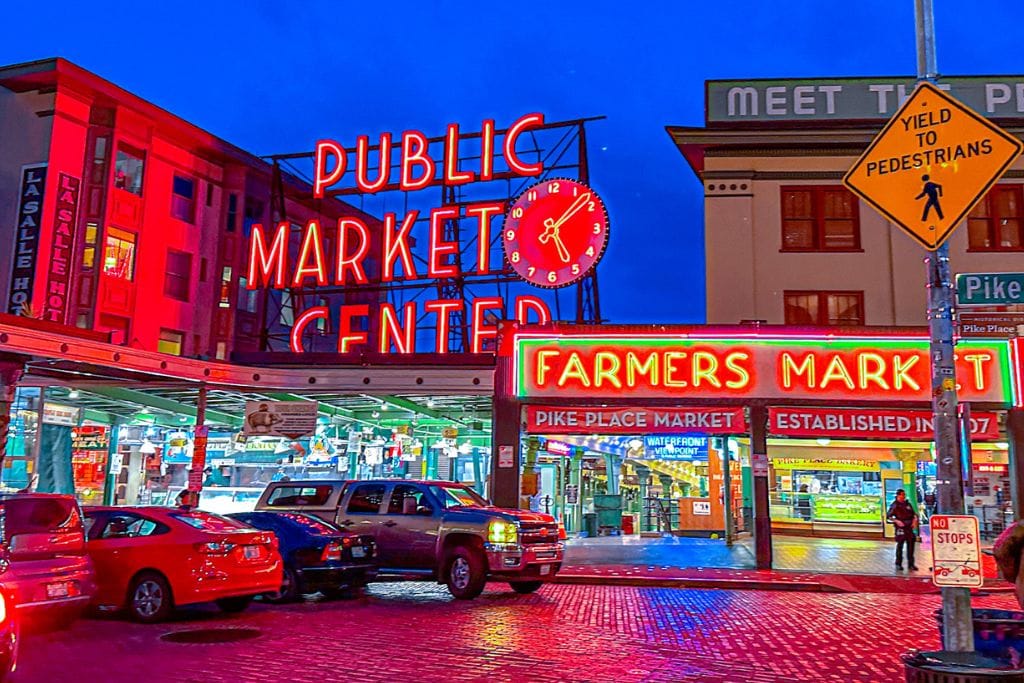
(933, 191)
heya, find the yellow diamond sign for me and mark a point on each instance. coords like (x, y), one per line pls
(931, 164)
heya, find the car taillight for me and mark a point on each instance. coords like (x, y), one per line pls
(214, 548)
(3, 608)
(332, 552)
(347, 541)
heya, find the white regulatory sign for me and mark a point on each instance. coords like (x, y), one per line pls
(956, 550)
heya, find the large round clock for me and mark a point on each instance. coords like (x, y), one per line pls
(555, 232)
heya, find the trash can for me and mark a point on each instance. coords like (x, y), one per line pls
(997, 632)
(590, 524)
(608, 507)
(957, 667)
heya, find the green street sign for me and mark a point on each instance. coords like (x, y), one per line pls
(989, 289)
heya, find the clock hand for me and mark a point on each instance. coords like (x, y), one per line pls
(563, 253)
(551, 234)
(580, 202)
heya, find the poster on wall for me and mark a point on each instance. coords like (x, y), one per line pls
(89, 452)
(291, 419)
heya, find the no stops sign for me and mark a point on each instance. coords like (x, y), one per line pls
(956, 551)
(931, 164)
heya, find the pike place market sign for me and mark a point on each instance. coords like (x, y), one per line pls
(883, 368)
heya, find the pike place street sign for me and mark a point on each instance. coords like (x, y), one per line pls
(931, 164)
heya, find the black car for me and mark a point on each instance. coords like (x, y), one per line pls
(317, 556)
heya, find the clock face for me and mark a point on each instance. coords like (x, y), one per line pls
(555, 232)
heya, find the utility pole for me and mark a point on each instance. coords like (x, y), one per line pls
(957, 632)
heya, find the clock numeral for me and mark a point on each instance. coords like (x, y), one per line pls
(590, 250)
(597, 229)
(591, 206)
(517, 212)
(531, 196)
(575, 269)
(530, 270)
(514, 257)
(552, 188)
(575, 190)
(511, 234)
(552, 276)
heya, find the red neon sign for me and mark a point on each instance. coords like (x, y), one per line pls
(749, 366)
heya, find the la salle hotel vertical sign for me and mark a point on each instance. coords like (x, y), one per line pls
(26, 237)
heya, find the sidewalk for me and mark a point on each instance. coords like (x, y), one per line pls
(800, 564)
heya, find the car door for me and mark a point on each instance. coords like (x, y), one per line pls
(408, 528)
(121, 543)
(361, 511)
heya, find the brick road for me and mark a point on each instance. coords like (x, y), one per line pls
(415, 632)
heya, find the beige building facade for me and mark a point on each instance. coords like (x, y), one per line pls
(786, 243)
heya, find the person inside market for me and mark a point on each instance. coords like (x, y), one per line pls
(901, 513)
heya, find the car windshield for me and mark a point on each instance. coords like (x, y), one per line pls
(310, 524)
(207, 522)
(31, 515)
(455, 496)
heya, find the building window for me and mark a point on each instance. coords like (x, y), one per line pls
(178, 275)
(995, 223)
(116, 326)
(89, 252)
(246, 297)
(321, 323)
(98, 175)
(183, 205)
(119, 254)
(222, 350)
(128, 168)
(170, 342)
(287, 309)
(824, 308)
(232, 211)
(225, 287)
(209, 194)
(819, 218)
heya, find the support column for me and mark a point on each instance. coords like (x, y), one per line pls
(611, 468)
(110, 481)
(643, 474)
(505, 438)
(530, 477)
(759, 454)
(666, 485)
(10, 374)
(727, 491)
(1015, 436)
(576, 481)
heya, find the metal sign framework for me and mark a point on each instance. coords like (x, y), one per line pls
(562, 149)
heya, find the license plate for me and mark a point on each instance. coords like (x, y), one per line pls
(57, 590)
(251, 552)
(358, 551)
(545, 569)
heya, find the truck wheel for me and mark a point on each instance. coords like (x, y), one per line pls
(524, 587)
(465, 574)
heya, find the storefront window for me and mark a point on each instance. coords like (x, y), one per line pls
(119, 254)
(128, 169)
(21, 439)
(171, 342)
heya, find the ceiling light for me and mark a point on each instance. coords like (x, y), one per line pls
(375, 414)
(73, 393)
(430, 403)
(823, 441)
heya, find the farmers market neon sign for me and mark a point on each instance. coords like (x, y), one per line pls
(748, 366)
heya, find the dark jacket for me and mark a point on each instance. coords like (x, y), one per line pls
(903, 512)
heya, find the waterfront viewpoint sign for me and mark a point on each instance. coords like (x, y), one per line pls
(833, 368)
(740, 101)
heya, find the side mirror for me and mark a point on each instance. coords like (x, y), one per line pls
(424, 510)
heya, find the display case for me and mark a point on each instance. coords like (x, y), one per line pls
(846, 508)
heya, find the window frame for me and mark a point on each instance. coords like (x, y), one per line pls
(121, 236)
(161, 340)
(819, 218)
(369, 485)
(136, 154)
(823, 295)
(182, 280)
(993, 218)
(176, 198)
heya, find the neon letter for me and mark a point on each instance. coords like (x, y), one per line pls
(404, 338)
(481, 331)
(483, 243)
(977, 360)
(866, 374)
(310, 314)
(443, 308)
(353, 263)
(702, 371)
(414, 153)
(311, 240)
(452, 175)
(671, 368)
(837, 370)
(262, 264)
(514, 163)
(542, 364)
(396, 244)
(574, 370)
(346, 335)
(900, 371)
(525, 303)
(742, 376)
(323, 177)
(363, 163)
(609, 372)
(437, 265)
(789, 366)
(634, 367)
(487, 150)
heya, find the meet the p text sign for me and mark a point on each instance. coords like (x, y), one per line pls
(931, 164)
(956, 551)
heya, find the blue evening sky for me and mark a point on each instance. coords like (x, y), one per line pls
(275, 75)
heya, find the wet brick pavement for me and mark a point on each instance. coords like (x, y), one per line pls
(416, 632)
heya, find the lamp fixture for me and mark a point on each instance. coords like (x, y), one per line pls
(73, 393)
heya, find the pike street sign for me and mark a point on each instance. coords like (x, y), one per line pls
(931, 164)
(989, 289)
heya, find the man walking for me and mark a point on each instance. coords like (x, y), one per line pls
(933, 191)
(902, 514)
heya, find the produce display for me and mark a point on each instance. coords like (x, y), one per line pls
(846, 508)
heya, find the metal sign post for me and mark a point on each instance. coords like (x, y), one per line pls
(957, 630)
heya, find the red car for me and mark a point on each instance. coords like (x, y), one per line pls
(150, 559)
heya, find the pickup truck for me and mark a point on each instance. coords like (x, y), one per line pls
(436, 530)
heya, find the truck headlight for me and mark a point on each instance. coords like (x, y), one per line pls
(503, 532)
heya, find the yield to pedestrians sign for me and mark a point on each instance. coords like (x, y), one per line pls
(931, 164)
(956, 550)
